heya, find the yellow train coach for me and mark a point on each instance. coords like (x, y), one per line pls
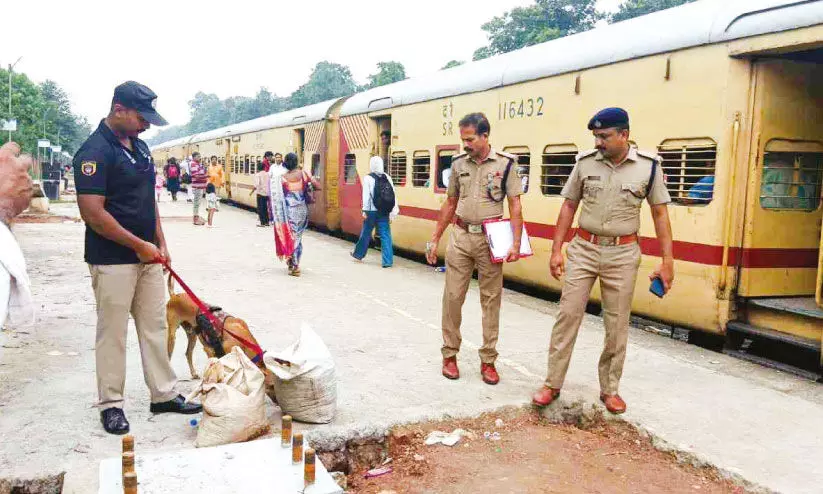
(729, 94)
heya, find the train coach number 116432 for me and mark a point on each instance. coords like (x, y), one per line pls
(525, 108)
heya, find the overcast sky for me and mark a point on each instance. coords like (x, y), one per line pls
(231, 48)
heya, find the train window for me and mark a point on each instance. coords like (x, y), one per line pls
(246, 165)
(315, 164)
(523, 164)
(688, 167)
(397, 169)
(558, 163)
(350, 169)
(444, 167)
(792, 174)
(421, 169)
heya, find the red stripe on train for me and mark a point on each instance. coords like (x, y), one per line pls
(711, 255)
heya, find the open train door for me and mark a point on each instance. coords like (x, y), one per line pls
(780, 260)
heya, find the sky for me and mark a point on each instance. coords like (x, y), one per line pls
(180, 47)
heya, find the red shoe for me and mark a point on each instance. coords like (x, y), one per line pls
(489, 374)
(450, 369)
(545, 396)
(614, 403)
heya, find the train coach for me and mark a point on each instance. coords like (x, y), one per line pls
(729, 94)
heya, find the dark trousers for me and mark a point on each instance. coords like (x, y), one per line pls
(263, 209)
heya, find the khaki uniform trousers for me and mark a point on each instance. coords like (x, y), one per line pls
(139, 290)
(616, 266)
(465, 252)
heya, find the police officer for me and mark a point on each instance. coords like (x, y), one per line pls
(114, 178)
(611, 182)
(479, 182)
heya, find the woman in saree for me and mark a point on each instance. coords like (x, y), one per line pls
(290, 212)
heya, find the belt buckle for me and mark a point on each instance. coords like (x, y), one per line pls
(606, 241)
(474, 228)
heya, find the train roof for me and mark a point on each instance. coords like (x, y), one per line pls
(306, 114)
(700, 23)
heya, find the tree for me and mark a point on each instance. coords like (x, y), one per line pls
(327, 81)
(543, 21)
(387, 73)
(635, 8)
(452, 63)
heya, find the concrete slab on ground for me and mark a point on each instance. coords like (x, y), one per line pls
(383, 328)
(229, 469)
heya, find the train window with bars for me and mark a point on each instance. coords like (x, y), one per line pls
(421, 169)
(688, 166)
(558, 163)
(397, 169)
(522, 166)
(350, 169)
(444, 167)
(792, 174)
(246, 165)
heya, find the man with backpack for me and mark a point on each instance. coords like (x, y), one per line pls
(172, 172)
(379, 208)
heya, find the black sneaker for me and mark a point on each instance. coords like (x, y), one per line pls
(114, 421)
(177, 405)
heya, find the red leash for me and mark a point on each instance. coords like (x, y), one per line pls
(258, 352)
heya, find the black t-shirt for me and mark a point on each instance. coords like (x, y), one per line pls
(103, 166)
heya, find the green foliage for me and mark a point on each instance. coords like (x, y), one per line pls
(543, 21)
(635, 8)
(29, 102)
(452, 63)
(388, 72)
(327, 80)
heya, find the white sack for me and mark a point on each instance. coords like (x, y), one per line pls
(305, 381)
(234, 406)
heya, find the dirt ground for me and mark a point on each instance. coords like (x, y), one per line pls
(533, 456)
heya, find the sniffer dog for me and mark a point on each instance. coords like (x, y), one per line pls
(182, 311)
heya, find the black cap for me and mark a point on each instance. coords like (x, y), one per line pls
(608, 118)
(138, 97)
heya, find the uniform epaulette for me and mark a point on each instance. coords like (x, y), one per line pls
(507, 155)
(586, 154)
(458, 156)
(648, 155)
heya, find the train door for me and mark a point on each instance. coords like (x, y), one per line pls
(780, 260)
(382, 147)
(227, 169)
(299, 143)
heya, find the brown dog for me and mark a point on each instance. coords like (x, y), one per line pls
(182, 311)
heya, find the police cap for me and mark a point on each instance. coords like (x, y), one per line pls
(138, 97)
(608, 118)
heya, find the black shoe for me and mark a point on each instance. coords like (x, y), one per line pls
(114, 421)
(177, 405)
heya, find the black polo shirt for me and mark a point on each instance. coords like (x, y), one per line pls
(103, 166)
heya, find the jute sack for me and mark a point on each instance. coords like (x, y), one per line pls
(234, 406)
(305, 381)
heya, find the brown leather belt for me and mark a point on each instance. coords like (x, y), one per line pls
(469, 227)
(606, 241)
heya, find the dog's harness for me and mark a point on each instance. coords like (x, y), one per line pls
(210, 324)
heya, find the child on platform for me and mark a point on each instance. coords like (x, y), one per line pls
(211, 202)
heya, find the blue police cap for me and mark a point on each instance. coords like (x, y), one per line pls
(608, 118)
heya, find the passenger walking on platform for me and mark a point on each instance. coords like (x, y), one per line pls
(185, 178)
(114, 177)
(211, 202)
(379, 208)
(479, 182)
(172, 173)
(611, 182)
(199, 179)
(262, 187)
(291, 213)
(159, 183)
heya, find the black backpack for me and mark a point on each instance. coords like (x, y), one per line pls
(383, 194)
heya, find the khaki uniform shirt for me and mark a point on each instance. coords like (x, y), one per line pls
(612, 194)
(472, 183)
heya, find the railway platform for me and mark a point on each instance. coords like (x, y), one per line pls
(383, 328)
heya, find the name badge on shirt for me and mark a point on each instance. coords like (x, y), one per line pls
(593, 177)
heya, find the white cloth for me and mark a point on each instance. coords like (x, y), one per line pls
(376, 167)
(16, 303)
(276, 172)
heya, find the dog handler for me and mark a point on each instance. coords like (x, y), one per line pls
(114, 176)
